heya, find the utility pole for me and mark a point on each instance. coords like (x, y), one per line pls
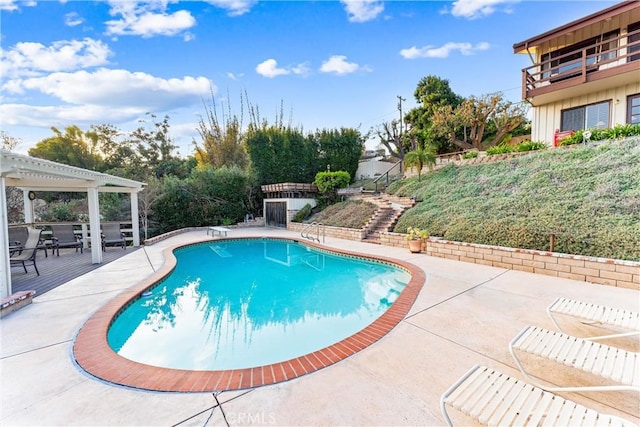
(400, 99)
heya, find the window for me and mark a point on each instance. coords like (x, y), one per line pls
(633, 41)
(633, 109)
(586, 117)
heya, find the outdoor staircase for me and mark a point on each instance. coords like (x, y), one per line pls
(390, 208)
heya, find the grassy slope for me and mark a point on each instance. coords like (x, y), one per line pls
(349, 214)
(588, 195)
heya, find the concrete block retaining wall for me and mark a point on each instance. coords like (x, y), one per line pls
(336, 232)
(605, 271)
(612, 272)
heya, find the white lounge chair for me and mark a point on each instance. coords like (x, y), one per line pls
(620, 366)
(494, 398)
(593, 314)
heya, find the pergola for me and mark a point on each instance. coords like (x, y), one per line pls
(33, 174)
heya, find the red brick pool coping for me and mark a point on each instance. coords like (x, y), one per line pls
(93, 353)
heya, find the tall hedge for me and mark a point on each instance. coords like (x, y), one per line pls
(281, 154)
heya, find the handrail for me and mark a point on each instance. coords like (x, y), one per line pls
(604, 54)
(306, 232)
(386, 174)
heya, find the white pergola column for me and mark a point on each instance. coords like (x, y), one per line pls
(135, 219)
(94, 224)
(28, 208)
(5, 266)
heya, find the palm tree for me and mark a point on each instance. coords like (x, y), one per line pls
(421, 157)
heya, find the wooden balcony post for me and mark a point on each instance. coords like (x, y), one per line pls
(584, 65)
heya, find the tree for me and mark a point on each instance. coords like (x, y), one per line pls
(389, 134)
(15, 203)
(431, 93)
(71, 148)
(119, 155)
(222, 143)
(148, 197)
(8, 142)
(465, 125)
(421, 157)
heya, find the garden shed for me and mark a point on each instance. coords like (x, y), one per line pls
(282, 201)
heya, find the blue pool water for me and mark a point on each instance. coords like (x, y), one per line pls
(243, 303)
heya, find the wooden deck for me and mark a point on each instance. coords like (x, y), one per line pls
(57, 270)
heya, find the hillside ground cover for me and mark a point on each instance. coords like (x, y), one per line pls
(586, 195)
(348, 214)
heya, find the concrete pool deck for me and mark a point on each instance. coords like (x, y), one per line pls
(465, 314)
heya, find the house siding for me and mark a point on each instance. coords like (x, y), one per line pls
(546, 118)
(546, 110)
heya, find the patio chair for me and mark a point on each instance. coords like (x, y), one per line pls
(18, 237)
(29, 251)
(63, 236)
(593, 314)
(616, 365)
(112, 236)
(493, 398)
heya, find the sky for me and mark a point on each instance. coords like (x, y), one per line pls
(319, 64)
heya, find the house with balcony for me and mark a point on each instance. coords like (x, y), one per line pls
(584, 74)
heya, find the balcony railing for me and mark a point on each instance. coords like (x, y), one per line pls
(607, 58)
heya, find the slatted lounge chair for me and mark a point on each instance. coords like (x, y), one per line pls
(28, 252)
(619, 366)
(593, 314)
(63, 236)
(496, 399)
(112, 236)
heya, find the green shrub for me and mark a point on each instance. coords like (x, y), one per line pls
(302, 213)
(499, 149)
(616, 132)
(530, 146)
(470, 155)
(207, 197)
(60, 212)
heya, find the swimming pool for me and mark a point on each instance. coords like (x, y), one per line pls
(244, 303)
(92, 351)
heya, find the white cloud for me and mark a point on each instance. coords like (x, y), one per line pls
(47, 116)
(72, 19)
(12, 5)
(473, 9)
(28, 58)
(362, 10)
(301, 69)
(443, 51)
(235, 7)
(270, 69)
(103, 96)
(8, 5)
(147, 19)
(120, 88)
(338, 64)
